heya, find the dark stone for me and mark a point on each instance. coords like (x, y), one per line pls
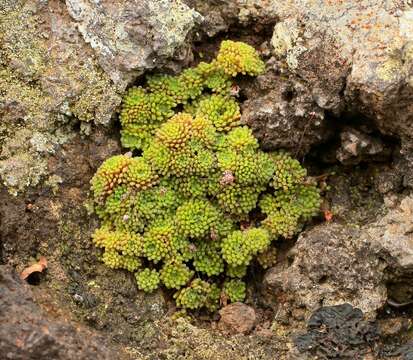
(337, 332)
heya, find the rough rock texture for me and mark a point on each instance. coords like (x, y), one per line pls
(392, 237)
(393, 234)
(361, 265)
(355, 194)
(50, 77)
(27, 333)
(181, 340)
(218, 16)
(237, 318)
(344, 332)
(354, 54)
(222, 15)
(357, 146)
(130, 37)
(47, 75)
(283, 114)
(331, 265)
(337, 332)
(29, 223)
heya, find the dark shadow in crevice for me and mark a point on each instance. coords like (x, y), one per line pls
(323, 156)
(35, 278)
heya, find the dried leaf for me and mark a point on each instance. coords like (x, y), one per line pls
(37, 267)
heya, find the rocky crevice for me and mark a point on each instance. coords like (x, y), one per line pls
(337, 93)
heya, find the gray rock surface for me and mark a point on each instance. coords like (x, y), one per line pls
(359, 265)
(51, 71)
(354, 54)
(332, 325)
(130, 37)
(331, 266)
(218, 16)
(27, 333)
(48, 75)
(357, 146)
(283, 114)
(392, 235)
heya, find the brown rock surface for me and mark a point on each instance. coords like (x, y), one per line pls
(27, 333)
(331, 266)
(282, 113)
(353, 54)
(237, 318)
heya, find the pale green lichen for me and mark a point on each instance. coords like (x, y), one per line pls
(44, 87)
(390, 69)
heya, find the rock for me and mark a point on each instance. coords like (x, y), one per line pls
(50, 77)
(351, 55)
(406, 351)
(283, 114)
(129, 37)
(392, 238)
(357, 146)
(217, 16)
(226, 15)
(360, 265)
(389, 179)
(392, 235)
(22, 231)
(49, 71)
(338, 332)
(237, 318)
(182, 339)
(352, 196)
(27, 333)
(331, 265)
(391, 327)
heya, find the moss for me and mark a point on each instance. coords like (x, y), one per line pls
(179, 207)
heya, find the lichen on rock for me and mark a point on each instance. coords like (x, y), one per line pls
(343, 53)
(51, 78)
(43, 86)
(130, 37)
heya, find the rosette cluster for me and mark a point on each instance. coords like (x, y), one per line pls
(183, 214)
